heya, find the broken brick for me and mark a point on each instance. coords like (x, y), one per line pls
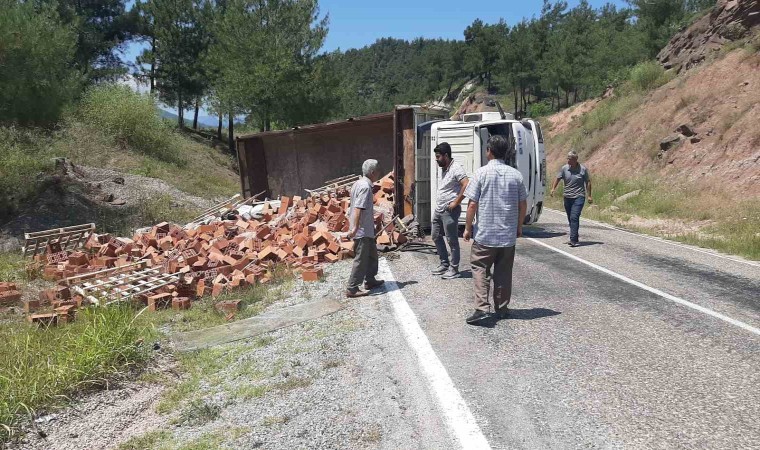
(312, 275)
(159, 301)
(229, 306)
(181, 303)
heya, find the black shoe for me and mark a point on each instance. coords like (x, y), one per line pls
(368, 285)
(476, 317)
(503, 314)
(573, 244)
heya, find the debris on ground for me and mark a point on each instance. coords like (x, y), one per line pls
(233, 244)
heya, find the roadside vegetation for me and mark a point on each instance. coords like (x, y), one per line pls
(41, 368)
(709, 219)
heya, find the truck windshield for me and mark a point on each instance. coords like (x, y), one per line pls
(502, 129)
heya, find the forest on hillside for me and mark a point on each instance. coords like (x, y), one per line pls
(263, 58)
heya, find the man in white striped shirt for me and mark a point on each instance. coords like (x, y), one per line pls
(497, 195)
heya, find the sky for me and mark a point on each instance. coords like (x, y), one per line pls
(358, 23)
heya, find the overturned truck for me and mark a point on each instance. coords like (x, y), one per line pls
(290, 162)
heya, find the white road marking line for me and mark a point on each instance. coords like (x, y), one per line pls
(457, 416)
(662, 294)
(659, 239)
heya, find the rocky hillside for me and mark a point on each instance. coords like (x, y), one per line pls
(699, 128)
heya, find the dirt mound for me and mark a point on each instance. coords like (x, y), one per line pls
(699, 128)
(80, 194)
(729, 20)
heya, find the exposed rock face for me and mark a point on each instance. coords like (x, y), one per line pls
(729, 20)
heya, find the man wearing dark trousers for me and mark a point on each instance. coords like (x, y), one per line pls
(577, 182)
(447, 211)
(498, 197)
(362, 230)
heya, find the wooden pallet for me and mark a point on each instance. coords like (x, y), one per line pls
(230, 204)
(120, 283)
(334, 184)
(69, 238)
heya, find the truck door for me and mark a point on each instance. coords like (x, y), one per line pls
(462, 140)
(540, 171)
(525, 161)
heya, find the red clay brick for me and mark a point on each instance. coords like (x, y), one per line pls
(312, 275)
(181, 303)
(229, 306)
(48, 319)
(159, 301)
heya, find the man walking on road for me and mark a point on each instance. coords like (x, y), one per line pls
(498, 197)
(362, 230)
(577, 185)
(447, 211)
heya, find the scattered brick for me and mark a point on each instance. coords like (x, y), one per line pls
(312, 275)
(159, 301)
(181, 303)
(229, 306)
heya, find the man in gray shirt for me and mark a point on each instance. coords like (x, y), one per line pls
(448, 208)
(577, 182)
(361, 218)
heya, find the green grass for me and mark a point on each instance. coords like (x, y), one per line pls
(151, 440)
(40, 367)
(118, 129)
(24, 153)
(131, 120)
(729, 226)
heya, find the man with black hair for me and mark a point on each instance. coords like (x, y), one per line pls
(497, 195)
(448, 208)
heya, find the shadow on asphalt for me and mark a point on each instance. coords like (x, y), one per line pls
(518, 314)
(420, 248)
(588, 243)
(541, 234)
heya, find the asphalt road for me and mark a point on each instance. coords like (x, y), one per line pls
(589, 360)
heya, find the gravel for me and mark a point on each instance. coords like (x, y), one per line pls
(346, 380)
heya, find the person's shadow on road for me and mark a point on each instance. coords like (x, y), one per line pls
(518, 314)
(538, 233)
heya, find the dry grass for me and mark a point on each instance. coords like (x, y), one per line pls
(722, 223)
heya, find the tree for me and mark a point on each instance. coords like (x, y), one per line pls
(182, 37)
(484, 43)
(37, 63)
(101, 26)
(264, 53)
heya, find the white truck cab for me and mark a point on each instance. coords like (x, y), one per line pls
(468, 138)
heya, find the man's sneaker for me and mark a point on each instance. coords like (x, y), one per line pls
(476, 317)
(503, 314)
(373, 284)
(440, 270)
(356, 293)
(573, 244)
(452, 273)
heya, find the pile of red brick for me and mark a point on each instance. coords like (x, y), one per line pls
(302, 234)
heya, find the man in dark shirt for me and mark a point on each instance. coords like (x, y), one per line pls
(577, 182)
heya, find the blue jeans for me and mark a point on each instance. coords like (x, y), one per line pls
(446, 225)
(573, 208)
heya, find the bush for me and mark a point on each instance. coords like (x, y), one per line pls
(647, 76)
(24, 153)
(38, 367)
(132, 119)
(37, 77)
(542, 109)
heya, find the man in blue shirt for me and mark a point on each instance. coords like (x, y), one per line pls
(498, 197)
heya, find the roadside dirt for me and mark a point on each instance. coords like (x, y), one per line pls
(719, 102)
(80, 194)
(346, 380)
